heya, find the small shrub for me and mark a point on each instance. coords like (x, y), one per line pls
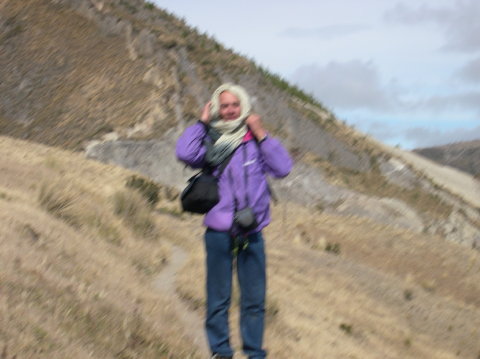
(135, 211)
(170, 43)
(333, 248)
(59, 200)
(171, 194)
(105, 228)
(408, 294)
(272, 309)
(347, 328)
(148, 189)
(126, 203)
(149, 5)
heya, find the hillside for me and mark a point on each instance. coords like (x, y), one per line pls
(373, 251)
(121, 79)
(81, 278)
(462, 155)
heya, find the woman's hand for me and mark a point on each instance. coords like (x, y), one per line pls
(255, 124)
(205, 117)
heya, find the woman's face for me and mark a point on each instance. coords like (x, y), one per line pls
(230, 108)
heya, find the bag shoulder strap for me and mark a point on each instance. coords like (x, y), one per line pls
(224, 164)
(273, 195)
(221, 166)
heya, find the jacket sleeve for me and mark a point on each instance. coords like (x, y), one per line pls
(277, 161)
(190, 148)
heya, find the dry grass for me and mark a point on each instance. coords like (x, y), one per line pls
(88, 102)
(132, 207)
(387, 293)
(76, 277)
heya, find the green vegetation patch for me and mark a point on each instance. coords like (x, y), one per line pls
(147, 188)
(135, 212)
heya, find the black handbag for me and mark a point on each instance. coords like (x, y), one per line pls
(201, 193)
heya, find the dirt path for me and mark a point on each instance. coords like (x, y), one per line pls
(165, 282)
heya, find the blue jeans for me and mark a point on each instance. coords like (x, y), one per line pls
(252, 281)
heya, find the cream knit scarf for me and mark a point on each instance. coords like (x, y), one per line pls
(226, 135)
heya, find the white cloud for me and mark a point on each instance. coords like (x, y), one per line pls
(346, 85)
(464, 101)
(459, 22)
(357, 85)
(470, 72)
(388, 111)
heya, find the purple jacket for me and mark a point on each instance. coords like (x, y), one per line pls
(268, 157)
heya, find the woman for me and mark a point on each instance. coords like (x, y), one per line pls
(228, 131)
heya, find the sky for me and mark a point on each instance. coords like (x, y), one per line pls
(406, 72)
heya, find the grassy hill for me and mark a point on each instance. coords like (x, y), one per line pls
(80, 274)
(75, 265)
(369, 256)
